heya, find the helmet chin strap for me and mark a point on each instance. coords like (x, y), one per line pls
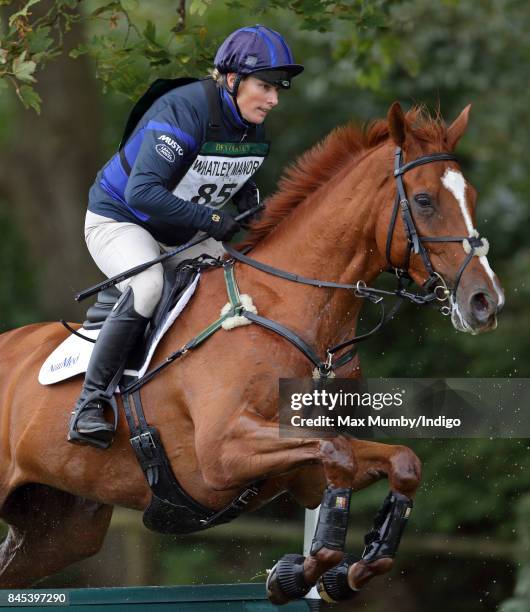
(233, 92)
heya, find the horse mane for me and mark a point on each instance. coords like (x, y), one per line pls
(325, 159)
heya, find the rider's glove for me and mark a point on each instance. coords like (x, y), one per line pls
(222, 226)
(247, 197)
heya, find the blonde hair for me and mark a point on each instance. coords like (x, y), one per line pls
(217, 76)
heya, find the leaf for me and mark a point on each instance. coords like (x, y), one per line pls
(38, 40)
(29, 97)
(3, 56)
(198, 7)
(78, 51)
(160, 62)
(23, 11)
(150, 32)
(130, 5)
(321, 24)
(23, 70)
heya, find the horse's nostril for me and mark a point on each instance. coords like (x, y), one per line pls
(480, 302)
(482, 306)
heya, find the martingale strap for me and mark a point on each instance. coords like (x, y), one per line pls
(324, 368)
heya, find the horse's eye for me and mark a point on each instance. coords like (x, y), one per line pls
(423, 199)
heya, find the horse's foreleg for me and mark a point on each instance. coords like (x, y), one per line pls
(403, 470)
(382, 542)
(249, 449)
(232, 455)
(294, 575)
(48, 530)
(399, 464)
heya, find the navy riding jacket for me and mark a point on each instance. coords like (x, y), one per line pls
(145, 197)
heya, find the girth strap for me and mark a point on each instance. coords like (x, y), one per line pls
(172, 510)
(171, 504)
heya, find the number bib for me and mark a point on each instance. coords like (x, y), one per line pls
(219, 171)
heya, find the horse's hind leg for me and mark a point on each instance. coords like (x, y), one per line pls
(48, 530)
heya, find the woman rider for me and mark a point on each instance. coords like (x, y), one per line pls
(195, 148)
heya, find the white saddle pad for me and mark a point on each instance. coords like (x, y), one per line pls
(71, 357)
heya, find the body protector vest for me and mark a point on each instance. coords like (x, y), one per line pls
(220, 168)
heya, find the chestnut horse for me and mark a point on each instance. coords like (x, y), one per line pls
(216, 408)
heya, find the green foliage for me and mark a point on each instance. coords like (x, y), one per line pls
(198, 7)
(33, 37)
(23, 14)
(128, 48)
(17, 290)
(29, 97)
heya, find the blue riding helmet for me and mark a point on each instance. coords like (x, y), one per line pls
(258, 51)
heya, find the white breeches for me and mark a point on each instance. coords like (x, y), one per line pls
(117, 246)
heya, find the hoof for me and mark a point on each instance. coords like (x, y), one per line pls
(333, 585)
(286, 581)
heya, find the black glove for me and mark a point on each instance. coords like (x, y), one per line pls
(222, 226)
(247, 197)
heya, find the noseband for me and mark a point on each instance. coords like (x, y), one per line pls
(472, 245)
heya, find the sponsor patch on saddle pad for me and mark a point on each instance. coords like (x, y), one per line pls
(68, 359)
(71, 357)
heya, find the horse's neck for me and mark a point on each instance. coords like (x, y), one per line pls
(330, 236)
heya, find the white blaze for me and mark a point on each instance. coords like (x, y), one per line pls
(454, 182)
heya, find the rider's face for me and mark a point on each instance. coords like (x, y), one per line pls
(255, 98)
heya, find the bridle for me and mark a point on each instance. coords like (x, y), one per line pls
(435, 285)
(472, 245)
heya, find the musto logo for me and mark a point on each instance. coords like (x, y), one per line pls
(165, 152)
(172, 143)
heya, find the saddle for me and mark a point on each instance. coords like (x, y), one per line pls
(176, 281)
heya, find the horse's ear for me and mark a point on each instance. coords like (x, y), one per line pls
(457, 128)
(397, 124)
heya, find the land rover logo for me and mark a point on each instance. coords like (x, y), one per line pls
(165, 152)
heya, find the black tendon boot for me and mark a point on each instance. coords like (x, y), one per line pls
(116, 339)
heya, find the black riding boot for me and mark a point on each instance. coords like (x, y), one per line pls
(116, 339)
